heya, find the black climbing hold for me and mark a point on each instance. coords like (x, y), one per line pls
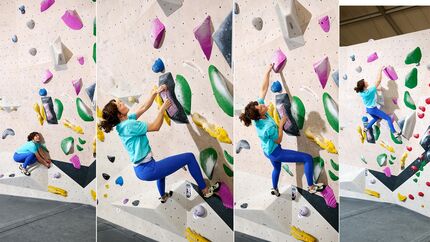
(135, 203)
(105, 176)
(244, 205)
(82, 176)
(111, 158)
(12, 175)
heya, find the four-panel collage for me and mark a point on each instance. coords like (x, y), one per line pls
(244, 120)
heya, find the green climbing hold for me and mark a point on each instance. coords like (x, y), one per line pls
(411, 79)
(58, 108)
(94, 28)
(392, 157)
(67, 145)
(414, 57)
(334, 165)
(219, 87)
(227, 170)
(287, 169)
(79, 148)
(228, 157)
(81, 141)
(94, 53)
(415, 180)
(409, 102)
(298, 111)
(331, 111)
(390, 162)
(376, 132)
(397, 140)
(332, 176)
(418, 174)
(183, 93)
(381, 159)
(208, 158)
(318, 167)
(84, 111)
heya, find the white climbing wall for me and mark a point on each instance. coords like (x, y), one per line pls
(125, 58)
(20, 83)
(253, 51)
(391, 51)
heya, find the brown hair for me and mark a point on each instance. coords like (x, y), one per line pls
(360, 86)
(251, 113)
(110, 116)
(31, 136)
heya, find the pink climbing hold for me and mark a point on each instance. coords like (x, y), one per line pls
(324, 22)
(409, 148)
(157, 33)
(416, 136)
(422, 108)
(47, 76)
(421, 115)
(372, 57)
(428, 100)
(75, 161)
(428, 184)
(387, 171)
(414, 168)
(225, 194)
(421, 194)
(279, 60)
(81, 60)
(411, 197)
(330, 199)
(77, 84)
(322, 68)
(395, 99)
(72, 20)
(45, 4)
(203, 34)
(389, 72)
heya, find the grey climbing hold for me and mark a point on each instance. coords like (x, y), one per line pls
(7, 132)
(30, 24)
(22, 9)
(244, 205)
(258, 23)
(56, 175)
(199, 212)
(303, 212)
(14, 38)
(358, 69)
(135, 202)
(32, 51)
(372, 181)
(428, 67)
(223, 37)
(242, 144)
(111, 158)
(236, 8)
(345, 77)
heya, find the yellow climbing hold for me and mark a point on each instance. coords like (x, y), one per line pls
(322, 142)
(99, 113)
(372, 193)
(387, 147)
(362, 134)
(193, 236)
(301, 235)
(273, 113)
(159, 102)
(93, 194)
(100, 134)
(403, 160)
(401, 197)
(105, 195)
(57, 190)
(107, 186)
(213, 130)
(76, 128)
(94, 146)
(40, 116)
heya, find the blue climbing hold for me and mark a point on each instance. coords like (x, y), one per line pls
(119, 181)
(42, 92)
(335, 77)
(14, 38)
(22, 9)
(365, 119)
(345, 77)
(158, 66)
(276, 87)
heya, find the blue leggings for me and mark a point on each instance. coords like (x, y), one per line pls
(25, 158)
(158, 170)
(280, 155)
(379, 114)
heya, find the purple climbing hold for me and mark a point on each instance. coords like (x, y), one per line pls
(77, 84)
(157, 33)
(203, 34)
(322, 69)
(324, 22)
(45, 4)
(279, 60)
(387, 171)
(81, 60)
(125, 201)
(72, 20)
(390, 73)
(47, 76)
(372, 57)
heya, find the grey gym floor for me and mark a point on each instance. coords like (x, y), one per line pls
(35, 220)
(109, 232)
(362, 220)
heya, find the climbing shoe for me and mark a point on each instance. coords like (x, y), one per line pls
(24, 171)
(212, 189)
(316, 188)
(275, 192)
(166, 196)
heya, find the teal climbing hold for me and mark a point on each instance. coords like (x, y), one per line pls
(227, 170)
(409, 102)
(208, 158)
(67, 145)
(298, 111)
(411, 79)
(331, 111)
(228, 157)
(219, 87)
(183, 93)
(332, 176)
(334, 165)
(287, 169)
(58, 108)
(414, 57)
(318, 167)
(84, 111)
(381, 159)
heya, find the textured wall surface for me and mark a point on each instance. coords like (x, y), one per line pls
(20, 83)
(253, 51)
(126, 55)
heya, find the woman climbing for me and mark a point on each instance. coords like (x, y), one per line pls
(369, 96)
(133, 136)
(30, 152)
(271, 136)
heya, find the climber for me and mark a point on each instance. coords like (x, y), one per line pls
(30, 152)
(369, 96)
(133, 134)
(271, 136)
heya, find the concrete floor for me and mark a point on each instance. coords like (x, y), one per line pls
(109, 232)
(29, 219)
(362, 220)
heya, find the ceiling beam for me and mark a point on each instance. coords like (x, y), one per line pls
(374, 15)
(390, 21)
